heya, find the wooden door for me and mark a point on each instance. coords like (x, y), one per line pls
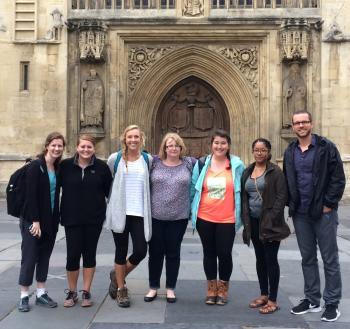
(194, 110)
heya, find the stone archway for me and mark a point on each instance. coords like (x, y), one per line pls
(210, 67)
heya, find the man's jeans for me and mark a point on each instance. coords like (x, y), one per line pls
(323, 233)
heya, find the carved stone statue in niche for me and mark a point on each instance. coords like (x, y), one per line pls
(192, 8)
(92, 104)
(294, 94)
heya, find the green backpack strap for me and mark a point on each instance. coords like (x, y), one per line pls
(119, 156)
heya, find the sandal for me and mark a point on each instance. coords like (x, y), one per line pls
(258, 302)
(269, 308)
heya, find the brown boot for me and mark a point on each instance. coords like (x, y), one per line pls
(222, 292)
(212, 292)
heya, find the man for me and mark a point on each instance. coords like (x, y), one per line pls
(316, 182)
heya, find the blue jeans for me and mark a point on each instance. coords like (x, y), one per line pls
(322, 232)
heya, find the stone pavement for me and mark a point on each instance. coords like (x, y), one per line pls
(190, 310)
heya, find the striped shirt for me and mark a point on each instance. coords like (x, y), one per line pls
(134, 179)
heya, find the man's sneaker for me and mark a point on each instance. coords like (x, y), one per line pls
(304, 307)
(122, 297)
(71, 299)
(113, 286)
(23, 305)
(331, 313)
(86, 299)
(46, 301)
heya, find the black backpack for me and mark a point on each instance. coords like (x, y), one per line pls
(15, 191)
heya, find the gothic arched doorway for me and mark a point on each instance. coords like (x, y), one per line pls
(194, 110)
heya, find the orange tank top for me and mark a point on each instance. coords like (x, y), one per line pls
(217, 200)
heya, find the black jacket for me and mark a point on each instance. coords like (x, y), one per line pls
(272, 224)
(328, 178)
(37, 206)
(84, 194)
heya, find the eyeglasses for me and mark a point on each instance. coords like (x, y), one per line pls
(298, 123)
(260, 151)
(172, 147)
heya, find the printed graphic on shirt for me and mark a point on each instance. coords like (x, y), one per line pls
(216, 187)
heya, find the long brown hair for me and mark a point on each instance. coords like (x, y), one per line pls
(50, 137)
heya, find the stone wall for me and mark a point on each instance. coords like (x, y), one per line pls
(27, 116)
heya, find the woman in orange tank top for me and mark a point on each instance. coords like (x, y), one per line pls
(216, 208)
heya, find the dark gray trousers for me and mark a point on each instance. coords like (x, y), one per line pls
(35, 255)
(322, 232)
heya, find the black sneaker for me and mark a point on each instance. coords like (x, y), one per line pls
(331, 313)
(304, 307)
(23, 305)
(46, 301)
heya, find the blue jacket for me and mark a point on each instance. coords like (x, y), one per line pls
(237, 168)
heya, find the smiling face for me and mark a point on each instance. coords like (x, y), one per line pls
(261, 152)
(133, 140)
(220, 146)
(172, 149)
(85, 149)
(55, 149)
(302, 125)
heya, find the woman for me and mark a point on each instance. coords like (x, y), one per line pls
(39, 221)
(129, 208)
(264, 196)
(216, 212)
(170, 199)
(85, 182)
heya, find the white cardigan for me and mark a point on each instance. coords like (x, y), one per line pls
(116, 212)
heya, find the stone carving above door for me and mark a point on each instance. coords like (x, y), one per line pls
(192, 8)
(140, 59)
(246, 60)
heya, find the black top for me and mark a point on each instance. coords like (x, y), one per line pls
(37, 206)
(84, 192)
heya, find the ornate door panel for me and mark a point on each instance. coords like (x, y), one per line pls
(194, 110)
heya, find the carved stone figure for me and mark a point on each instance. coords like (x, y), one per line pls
(57, 24)
(335, 34)
(193, 8)
(92, 103)
(294, 94)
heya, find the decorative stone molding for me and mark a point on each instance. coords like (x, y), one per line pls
(295, 39)
(335, 34)
(92, 36)
(140, 59)
(192, 8)
(246, 60)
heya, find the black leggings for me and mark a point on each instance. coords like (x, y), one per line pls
(82, 241)
(217, 241)
(166, 242)
(36, 253)
(134, 226)
(267, 266)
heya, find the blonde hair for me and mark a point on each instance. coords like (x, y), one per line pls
(178, 140)
(123, 141)
(86, 137)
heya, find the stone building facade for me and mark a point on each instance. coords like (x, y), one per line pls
(190, 66)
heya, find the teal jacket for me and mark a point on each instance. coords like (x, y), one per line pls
(237, 168)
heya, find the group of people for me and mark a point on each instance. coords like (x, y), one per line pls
(152, 198)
